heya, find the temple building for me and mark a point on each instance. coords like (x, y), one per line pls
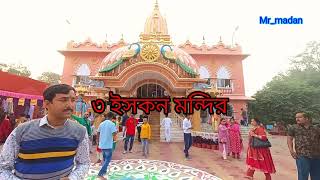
(156, 67)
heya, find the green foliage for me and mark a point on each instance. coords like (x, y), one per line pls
(17, 69)
(50, 78)
(296, 90)
(3, 67)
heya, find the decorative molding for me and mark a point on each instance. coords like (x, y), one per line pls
(214, 49)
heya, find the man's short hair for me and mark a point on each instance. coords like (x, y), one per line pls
(51, 91)
(305, 115)
(109, 115)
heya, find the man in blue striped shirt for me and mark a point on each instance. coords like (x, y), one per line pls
(50, 147)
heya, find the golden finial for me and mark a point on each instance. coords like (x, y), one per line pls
(122, 36)
(220, 41)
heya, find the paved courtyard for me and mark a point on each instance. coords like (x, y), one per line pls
(211, 161)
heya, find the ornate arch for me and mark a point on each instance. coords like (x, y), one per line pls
(204, 72)
(82, 70)
(151, 81)
(223, 72)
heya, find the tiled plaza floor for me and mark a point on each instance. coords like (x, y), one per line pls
(211, 161)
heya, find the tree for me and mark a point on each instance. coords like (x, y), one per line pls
(3, 67)
(50, 77)
(296, 90)
(17, 69)
(309, 59)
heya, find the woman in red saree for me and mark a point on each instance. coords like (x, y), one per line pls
(259, 158)
(5, 126)
(235, 139)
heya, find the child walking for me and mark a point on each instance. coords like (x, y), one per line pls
(145, 137)
(224, 139)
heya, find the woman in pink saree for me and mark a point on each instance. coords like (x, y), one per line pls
(223, 137)
(235, 139)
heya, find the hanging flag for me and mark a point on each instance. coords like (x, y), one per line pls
(21, 102)
(9, 99)
(33, 102)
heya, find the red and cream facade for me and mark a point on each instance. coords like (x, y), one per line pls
(178, 69)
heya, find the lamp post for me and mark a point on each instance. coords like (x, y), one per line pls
(233, 35)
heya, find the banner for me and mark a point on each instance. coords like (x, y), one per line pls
(33, 102)
(21, 102)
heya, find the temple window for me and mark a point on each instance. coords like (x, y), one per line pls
(223, 78)
(224, 83)
(204, 73)
(82, 75)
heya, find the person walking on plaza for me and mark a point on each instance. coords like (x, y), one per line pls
(167, 124)
(259, 158)
(52, 147)
(224, 138)
(106, 137)
(130, 132)
(235, 139)
(123, 123)
(145, 137)
(244, 116)
(187, 126)
(140, 122)
(87, 124)
(306, 150)
(114, 120)
(99, 118)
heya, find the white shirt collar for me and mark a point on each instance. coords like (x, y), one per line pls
(44, 121)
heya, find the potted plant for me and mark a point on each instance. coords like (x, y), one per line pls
(212, 144)
(202, 144)
(197, 141)
(208, 144)
(216, 144)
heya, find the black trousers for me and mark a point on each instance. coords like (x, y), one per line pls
(139, 132)
(131, 139)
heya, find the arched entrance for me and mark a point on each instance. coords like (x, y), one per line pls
(152, 90)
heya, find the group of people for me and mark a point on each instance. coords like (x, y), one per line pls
(229, 137)
(303, 142)
(56, 147)
(105, 129)
(230, 141)
(8, 122)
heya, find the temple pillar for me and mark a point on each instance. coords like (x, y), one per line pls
(196, 121)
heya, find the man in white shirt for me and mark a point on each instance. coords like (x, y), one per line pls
(167, 124)
(187, 135)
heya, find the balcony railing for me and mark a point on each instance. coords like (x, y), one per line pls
(225, 90)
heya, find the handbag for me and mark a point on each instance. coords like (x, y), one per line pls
(258, 143)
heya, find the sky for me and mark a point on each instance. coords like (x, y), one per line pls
(32, 31)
